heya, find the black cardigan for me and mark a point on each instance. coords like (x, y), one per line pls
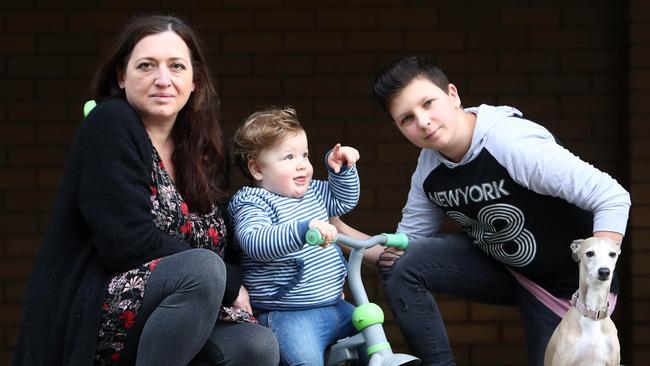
(101, 225)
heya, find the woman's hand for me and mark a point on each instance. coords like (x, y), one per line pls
(242, 301)
(341, 155)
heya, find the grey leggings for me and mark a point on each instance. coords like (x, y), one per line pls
(177, 321)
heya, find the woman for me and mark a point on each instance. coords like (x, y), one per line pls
(131, 267)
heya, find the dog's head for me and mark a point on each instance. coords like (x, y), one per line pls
(597, 256)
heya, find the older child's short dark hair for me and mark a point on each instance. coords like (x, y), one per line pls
(398, 73)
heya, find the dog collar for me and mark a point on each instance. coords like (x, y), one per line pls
(597, 314)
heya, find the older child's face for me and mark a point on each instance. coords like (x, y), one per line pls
(426, 115)
(285, 168)
(158, 78)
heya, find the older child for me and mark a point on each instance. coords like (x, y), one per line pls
(520, 197)
(297, 288)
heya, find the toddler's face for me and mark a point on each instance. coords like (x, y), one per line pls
(285, 168)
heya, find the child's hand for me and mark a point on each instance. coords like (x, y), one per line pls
(342, 155)
(327, 230)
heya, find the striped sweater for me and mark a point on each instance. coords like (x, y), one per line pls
(281, 271)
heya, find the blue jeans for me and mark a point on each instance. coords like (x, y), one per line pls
(304, 335)
(453, 265)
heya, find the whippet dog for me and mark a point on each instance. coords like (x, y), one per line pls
(587, 335)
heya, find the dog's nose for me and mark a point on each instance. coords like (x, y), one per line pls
(603, 273)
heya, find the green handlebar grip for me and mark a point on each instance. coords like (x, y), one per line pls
(399, 240)
(88, 106)
(313, 237)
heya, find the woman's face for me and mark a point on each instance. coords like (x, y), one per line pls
(158, 78)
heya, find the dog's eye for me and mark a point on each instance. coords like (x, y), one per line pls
(589, 253)
(612, 254)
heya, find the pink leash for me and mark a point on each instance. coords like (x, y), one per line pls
(556, 305)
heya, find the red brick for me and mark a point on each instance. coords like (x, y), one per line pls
(589, 105)
(82, 66)
(327, 131)
(374, 40)
(388, 175)
(29, 201)
(35, 22)
(22, 245)
(498, 355)
(283, 64)
(528, 61)
(125, 4)
(248, 86)
(235, 64)
(349, 107)
(408, 18)
(359, 85)
(589, 61)
(639, 148)
(223, 20)
(49, 178)
(62, 88)
(639, 56)
(498, 84)
(374, 131)
(14, 269)
(57, 133)
(67, 44)
(472, 333)
(605, 39)
(17, 89)
(494, 40)
(467, 62)
(252, 3)
(314, 41)
(438, 40)
(16, 45)
(640, 217)
(37, 111)
(254, 42)
(559, 39)
(478, 16)
(640, 263)
(533, 106)
(532, 16)
(485, 312)
(347, 19)
(569, 128)
(638, 32)
(513, 333)
(638, 102)
(313, 86)
(397, 153)
(452, 310)
(638, 10)
(640, 239)
(17, 178)
(284, 19)
(600, 16)
(341, 64)
(12, 134)
(37, 156)
(36, 66)
(97, 21)
(566, 82)
(640, 171)
(14, 291)
(609, 82)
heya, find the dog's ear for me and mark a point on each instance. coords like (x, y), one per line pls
(575, 247)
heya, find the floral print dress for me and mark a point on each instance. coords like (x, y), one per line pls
(125, 291)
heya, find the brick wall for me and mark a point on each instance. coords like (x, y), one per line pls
(579, 67)
(637, 327)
